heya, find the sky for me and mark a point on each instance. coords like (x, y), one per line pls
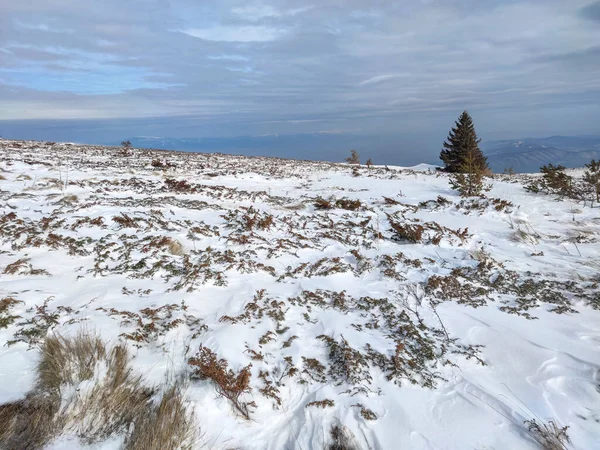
(403, 70)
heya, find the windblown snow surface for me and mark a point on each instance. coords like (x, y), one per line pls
(418, 320)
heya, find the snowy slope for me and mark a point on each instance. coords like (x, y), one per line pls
(429, 321)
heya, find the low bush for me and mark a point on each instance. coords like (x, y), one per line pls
(227, 383)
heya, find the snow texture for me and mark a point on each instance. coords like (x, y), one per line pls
(429, 321)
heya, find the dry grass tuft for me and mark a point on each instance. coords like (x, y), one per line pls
(29, 424)
(88, 390)
(525, 237)
(342, 439)
(112, 402)
(168, 426)
(68, 361)
(549, 435)
(68, 200)
(175, 248)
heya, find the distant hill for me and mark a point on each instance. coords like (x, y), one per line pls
(407, 150)
(312, 146)
(523, 155)
(529, 154)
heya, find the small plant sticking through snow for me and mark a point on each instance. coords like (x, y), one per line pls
(549, 435)
(87, 389)
(592, 178)
(227, 383)
(554, 180)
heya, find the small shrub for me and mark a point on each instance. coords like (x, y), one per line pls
(592, 178)
(346, 363)
(321, 203)
(554, 180)
(366, 413)
(390, 201)
(126, 148)
(408, 232)
(125, 221)
(178, 185)
(158, 164)
(6, 318)
(227, 383)
(346, 203)
(321, 404)
(22, 266)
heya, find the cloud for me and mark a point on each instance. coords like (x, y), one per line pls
(377, 79)
(269, 66)
(228, 58)
(248, 33)
(591, 11)
(255, 12)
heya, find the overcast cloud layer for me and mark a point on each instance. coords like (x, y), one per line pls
(290, 66)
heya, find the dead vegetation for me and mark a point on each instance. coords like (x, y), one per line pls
(549, 436)
(193, 233)
(22, 266)
(341, 439)
(6, 318)
(150, 325)
(228, 384)
(87, 389)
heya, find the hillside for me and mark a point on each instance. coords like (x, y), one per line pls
(529, 154)
(376, 308)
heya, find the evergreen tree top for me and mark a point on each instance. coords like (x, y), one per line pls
(461, 141)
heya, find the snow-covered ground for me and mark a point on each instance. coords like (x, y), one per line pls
(425, 321)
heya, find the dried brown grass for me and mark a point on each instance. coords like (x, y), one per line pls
(168, 426)
(89, 390)
(550, 435)
(341, 439)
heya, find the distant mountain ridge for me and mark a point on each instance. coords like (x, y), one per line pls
(318, 146)
(524, 155)
(529, 154)
(314, 146)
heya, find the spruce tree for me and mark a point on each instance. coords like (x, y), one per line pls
(469, 180)
(353, 158)
(462, 142)
(592, 177)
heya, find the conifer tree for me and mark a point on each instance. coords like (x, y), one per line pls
(469, 178)
(592, 177)
(353, 158)
(462, 141)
